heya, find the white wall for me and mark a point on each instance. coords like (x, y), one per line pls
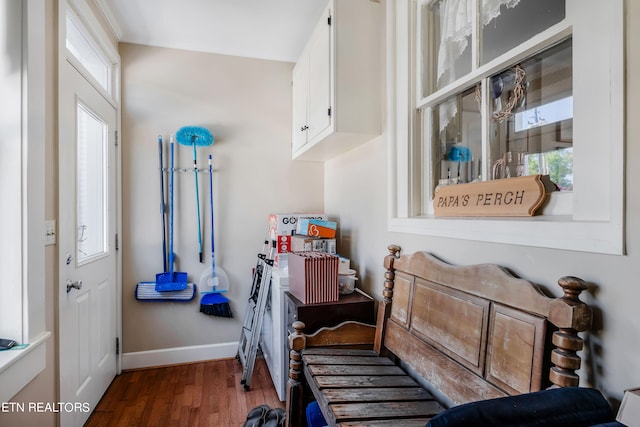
(356, 193)
(246, 104)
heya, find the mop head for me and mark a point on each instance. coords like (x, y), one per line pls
(190, 135)
(215, 305)
(146, 291)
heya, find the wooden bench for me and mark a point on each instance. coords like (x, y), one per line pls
(461, 334)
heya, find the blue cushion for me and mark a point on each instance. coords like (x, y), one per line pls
(314, 415)
(561, 407)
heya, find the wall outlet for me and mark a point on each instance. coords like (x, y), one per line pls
(50, 232)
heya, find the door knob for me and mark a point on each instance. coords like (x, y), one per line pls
(72, 285)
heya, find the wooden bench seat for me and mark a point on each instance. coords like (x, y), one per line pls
(460, 333)
(362, 386)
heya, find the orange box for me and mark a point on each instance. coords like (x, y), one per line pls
(317, 228)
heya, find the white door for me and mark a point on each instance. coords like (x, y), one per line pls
(86, 243)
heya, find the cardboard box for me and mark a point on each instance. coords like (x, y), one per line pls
(283, 247)
(303, 243)
(344, 265)
(317, 228)
(284, 224)
(281, 260)
(300, 243)
(629, 412)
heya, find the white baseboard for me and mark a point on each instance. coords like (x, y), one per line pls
(177, 355)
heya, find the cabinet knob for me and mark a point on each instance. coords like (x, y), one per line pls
(303, 128)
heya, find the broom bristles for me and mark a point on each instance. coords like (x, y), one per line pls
(215, 305)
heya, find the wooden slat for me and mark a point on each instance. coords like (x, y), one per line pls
(381, 410)
(405, 422)
(313, 359)
(356, 370)
(376, 394)
(337, 351)
(329, 381)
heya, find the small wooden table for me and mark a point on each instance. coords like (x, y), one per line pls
(356, 306)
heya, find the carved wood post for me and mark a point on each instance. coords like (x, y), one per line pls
(295, 387)
(384, 306)
(571, 316)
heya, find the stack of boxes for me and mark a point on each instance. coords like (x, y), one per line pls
(314, 235)
(291, 232)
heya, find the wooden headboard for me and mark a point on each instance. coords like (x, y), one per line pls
(477, 332)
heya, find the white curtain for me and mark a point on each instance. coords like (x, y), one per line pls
(456, 17)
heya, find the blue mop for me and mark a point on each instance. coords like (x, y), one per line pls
(171, 280)
(169, 286)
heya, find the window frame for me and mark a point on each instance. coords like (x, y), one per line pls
(596, 221)
(19, 367)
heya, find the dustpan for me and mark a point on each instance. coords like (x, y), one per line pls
(171, 280)
(146, 291)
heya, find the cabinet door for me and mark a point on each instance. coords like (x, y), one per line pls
(319, 116)
(300, 97)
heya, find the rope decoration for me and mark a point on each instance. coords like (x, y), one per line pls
(478, 96)
(519, 88)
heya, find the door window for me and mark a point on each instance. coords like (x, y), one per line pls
(92, 184)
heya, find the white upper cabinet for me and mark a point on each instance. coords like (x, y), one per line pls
(336, 82)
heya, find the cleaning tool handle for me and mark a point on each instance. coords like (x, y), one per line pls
(171, 256)
(195, 175)
(163, 208)
(213, 248)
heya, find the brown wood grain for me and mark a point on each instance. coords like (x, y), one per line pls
(515, 353)
(317, 359)
(355, 370)
(390, 410)
(197, 394)
(452, 321)
(376, 394)
(449, 377)
(488, 281)
(405, 422)
(520, 196)
(400, 309)
(340, 381)
(345, 333)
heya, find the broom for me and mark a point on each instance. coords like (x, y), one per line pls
(214, 303)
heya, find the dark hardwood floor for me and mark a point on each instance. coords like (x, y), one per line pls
(197, 394)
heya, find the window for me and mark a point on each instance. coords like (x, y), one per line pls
(87, 51)
(22, 135)
(84, 51)
(484, 89)
(92, 151)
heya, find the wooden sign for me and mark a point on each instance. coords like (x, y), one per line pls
(520, 196)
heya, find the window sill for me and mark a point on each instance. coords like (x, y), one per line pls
(555, 232)
(19, 367)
